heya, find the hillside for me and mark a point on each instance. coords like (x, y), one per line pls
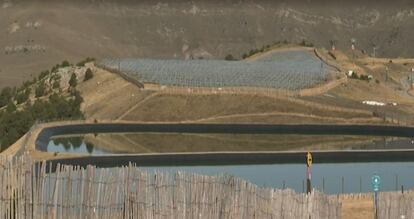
(109, 97)
(35, 34)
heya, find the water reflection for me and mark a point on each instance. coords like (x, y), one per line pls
(176, 142)
(73, 144)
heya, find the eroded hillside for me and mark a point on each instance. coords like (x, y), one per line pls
(35, 34)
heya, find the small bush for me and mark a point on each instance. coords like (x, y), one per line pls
(40, 90)
(43, 74)
(88, 74)
(73, 80)
(23, 96)
(11, 107)
(83, 62)
(377, 81)
(229, 57)
(5, 96)
(64, 64)
(56, 84)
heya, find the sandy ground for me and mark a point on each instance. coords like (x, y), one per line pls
(357, 208)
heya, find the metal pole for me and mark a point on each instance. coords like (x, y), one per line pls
(323, 184)
(396, 182)
(303, 186)
(308, 182)
(376, 204)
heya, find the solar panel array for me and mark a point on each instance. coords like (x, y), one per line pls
(296, 70)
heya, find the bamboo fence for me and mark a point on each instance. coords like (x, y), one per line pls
(34, 190)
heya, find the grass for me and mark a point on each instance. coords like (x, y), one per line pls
(164, 143)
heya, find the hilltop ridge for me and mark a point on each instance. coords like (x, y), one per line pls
(37, 33)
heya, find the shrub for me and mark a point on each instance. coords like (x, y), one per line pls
(11, 107)
(56, 84)
(83, 62)
(40, 90)
(88, 74)
(65, 63)
(229, 57)
(5, 96)
(73, 80)
(23, 96)
(43, 74)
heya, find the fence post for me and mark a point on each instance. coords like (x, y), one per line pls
(396, 182)
(323, 184)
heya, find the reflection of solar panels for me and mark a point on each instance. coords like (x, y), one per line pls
(299, 70)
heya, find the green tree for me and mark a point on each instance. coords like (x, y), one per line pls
(73, 80)
(83, 62)
(5, 96)
(88, 74)
(43, 74)
(11, 107)
(64, 64)
(23, 95)
(40, 90)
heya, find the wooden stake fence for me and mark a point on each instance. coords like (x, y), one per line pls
(29, 190)
(396, 205)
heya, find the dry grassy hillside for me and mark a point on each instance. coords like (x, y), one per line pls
(109, 97)
(36, 34)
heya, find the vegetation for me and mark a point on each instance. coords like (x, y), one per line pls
(5, 96)
(230, 57)
(23, 96)
(88, 74)
(18, 112)
(40, 90)
(87, 60)
(62, 65)
(43, 74)
(65, 64)
(305, 43)
(73, 80)
(267, 47)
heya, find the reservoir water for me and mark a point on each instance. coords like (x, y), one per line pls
(332, 178)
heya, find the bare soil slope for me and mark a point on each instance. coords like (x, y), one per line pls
(36, 34)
